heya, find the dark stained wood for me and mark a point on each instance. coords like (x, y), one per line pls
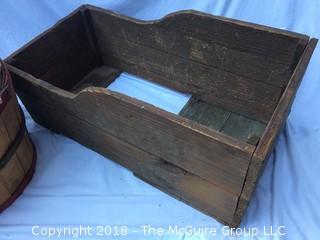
(153, 130)
(273, 129)
(232, 124)
(243, 128)
(157, 63)
(253, 98)
(175, 34)
(208, 197)
(100, 76)
(205, 114)
(52, 57)
(238, 71)
(274, 44)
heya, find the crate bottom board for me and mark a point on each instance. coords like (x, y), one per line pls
(222, 120)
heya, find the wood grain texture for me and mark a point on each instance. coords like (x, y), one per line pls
(5, 139)
(12, 174)
(10, 118)
(52, 55)
(223, 161)
(185, 186)
(205, 114)
(4, 193)
(243, 128)
(157, 58)
(229, 123)
(240, 67)
(237, 48)
(100, 76)
(273, 129)
(25, 153)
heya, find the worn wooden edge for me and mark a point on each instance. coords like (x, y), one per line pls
(85, 17)
(302, 38)
(244, 148)
(259, 27)
(271, 132)
(91, 37)
(10, 58)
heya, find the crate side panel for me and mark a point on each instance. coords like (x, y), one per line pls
(61, 56)
(222, 68)
(268, 140)
(197, 192)
(210, 155)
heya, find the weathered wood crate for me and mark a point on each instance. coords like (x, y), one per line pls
(242, 77)
(17, 154)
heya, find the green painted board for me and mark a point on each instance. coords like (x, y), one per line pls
(205, 114)
(243, 128)
(220, 119)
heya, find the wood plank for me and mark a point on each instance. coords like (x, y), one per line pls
(25, 153)
(232, 124)
(62, 55)
(221, 49)
(275, 125)
(5, 139)
(10, 119)
(200, 150)
(4, 193)
(260, 40)
(197, 192)
(254, 98)
(100, 76)
(243, 128)
(205, 114)
(12, 174)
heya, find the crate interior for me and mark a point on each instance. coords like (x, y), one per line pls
(93, 47)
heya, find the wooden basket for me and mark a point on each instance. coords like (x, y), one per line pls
(17, 153)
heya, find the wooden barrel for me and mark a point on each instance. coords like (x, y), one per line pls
(17, 153)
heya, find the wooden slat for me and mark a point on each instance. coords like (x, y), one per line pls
(173, 35)
(4, 193)
(243, 128)
(205, 114)
(240, 55)
(12, 174)
(25, 153)
(232, 124)
(204, 152)
(5, 139)
(244, 92)
(100, 76)
(62, 55)
(185, 186)
(275, 125)
(253, 98)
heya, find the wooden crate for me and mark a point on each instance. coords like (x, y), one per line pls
(242, 77)
(17, 154)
